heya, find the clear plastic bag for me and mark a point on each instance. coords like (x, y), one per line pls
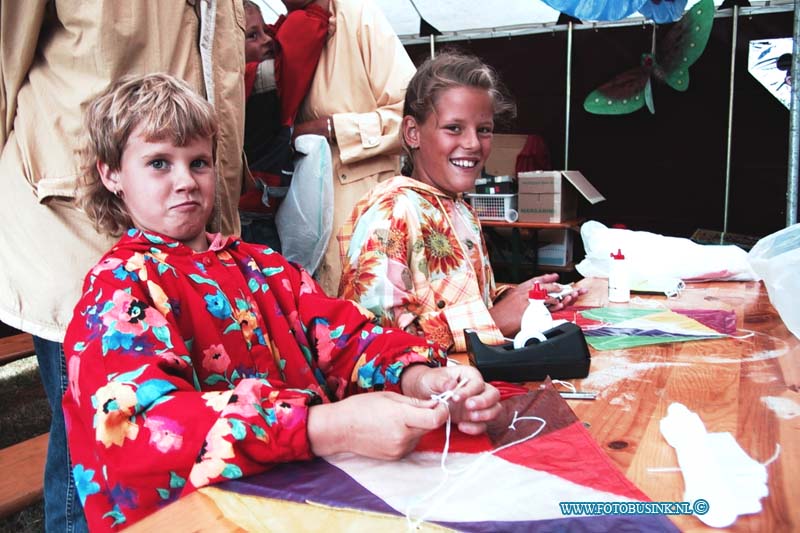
(305, 217)
(776, 258)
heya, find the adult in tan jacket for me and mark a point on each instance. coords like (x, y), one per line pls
(356, 100)
(54, 56)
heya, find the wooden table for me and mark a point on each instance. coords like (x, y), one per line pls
(749, 387)
(533, 229)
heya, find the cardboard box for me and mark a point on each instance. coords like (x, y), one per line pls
(552, 196)
(555, 247)
(505, 149)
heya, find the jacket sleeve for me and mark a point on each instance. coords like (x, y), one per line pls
(20, 24)
(134, 395)
(300, 36)
(355, 353)
(388, 69)
(383, 272)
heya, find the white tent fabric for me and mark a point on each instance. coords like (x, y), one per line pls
(473, 16)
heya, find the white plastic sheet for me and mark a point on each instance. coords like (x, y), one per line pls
(305, 217)
(776, 258)
(654, 257)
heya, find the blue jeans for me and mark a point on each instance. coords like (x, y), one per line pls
(62, 507)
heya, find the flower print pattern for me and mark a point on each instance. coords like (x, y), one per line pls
(416, 275)
(166, 434)
(176, 371)
(245, 400)
(131, 316)
(114, 404)
(443, 254)
(73, 370)
(210, 463)
(216, 359)
(218, 305)
(84, 482)
(217, 400)
(360, 277)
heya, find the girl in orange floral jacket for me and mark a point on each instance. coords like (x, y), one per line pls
(194, 358)
(412, 250)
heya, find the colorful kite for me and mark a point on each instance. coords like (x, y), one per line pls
(494, 482)
(680, 48)
(616, 328)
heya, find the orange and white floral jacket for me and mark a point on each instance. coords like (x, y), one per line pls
(416, 258)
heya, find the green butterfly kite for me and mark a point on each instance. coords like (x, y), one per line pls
(680, 48)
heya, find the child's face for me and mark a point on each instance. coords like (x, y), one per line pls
(257, 44)
(166, 189)
(454, 140)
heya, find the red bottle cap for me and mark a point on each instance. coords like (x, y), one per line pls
(618, 255)
(537, 293)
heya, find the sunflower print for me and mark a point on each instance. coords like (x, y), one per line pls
(360, 276)
(443, 254)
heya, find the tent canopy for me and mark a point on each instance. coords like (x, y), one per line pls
(467, 19)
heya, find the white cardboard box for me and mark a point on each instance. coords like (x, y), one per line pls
(552, 196)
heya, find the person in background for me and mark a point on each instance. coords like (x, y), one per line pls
(412, 250)
(54, 57)
(281, 60)
(356, 101)
(195, 358)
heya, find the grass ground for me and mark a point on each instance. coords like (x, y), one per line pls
(24, 413)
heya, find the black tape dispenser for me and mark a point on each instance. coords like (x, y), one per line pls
(562, 355)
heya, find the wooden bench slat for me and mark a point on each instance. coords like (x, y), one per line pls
(22, 481)
(16, 347)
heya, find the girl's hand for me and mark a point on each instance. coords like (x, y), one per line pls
(474, 402)
(507, 310)
(381, 425)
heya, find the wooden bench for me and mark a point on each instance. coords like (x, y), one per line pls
(16, 347)
(22, 464)
(21, 483)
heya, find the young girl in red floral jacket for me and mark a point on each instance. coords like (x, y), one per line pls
(195, 358)
(280, 63)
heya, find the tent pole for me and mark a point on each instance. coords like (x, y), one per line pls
(569, 94)
(730, 122)
(432, 51)
(794, 125)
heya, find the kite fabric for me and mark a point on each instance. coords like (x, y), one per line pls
(516, 488)
(618, 328)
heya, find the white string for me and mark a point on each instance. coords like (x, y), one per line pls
(774, 455)
(566, 384)
(750, 334)
(660, 469)
(438, 491)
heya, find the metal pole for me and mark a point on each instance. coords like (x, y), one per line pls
(730, 122)
(569, 95)
(794, 125)
(432, 51)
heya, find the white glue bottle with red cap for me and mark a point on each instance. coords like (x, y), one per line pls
(619, 288)
(535, 319)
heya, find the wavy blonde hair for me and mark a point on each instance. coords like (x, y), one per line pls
(447, 70)
(163, 107)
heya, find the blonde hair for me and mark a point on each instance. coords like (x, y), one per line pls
(163, 107)
(447, 70)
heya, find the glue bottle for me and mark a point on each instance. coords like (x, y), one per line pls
(535, 319)
(619, 289)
